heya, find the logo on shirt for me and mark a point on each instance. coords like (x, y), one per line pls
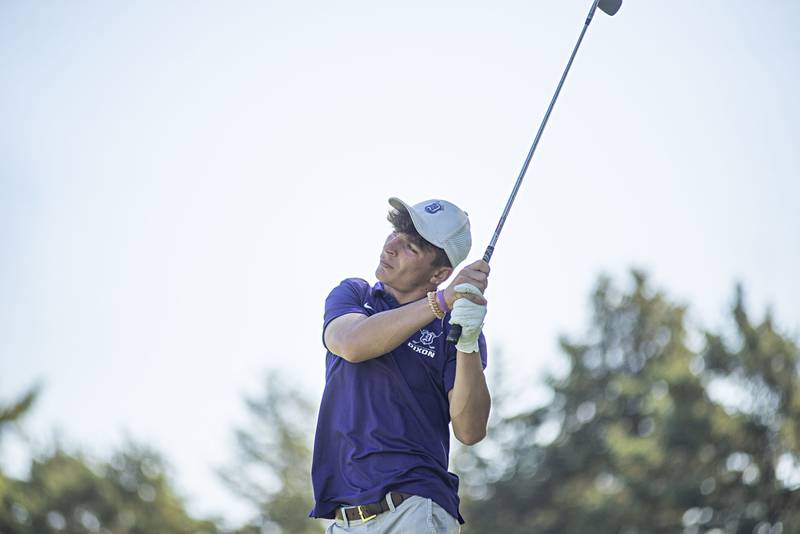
(367, 306)
(433, 207)
(424, 345)
(428, 337)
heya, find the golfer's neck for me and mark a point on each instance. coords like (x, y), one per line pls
(404, 297)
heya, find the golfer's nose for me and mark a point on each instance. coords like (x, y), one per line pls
(390, 247)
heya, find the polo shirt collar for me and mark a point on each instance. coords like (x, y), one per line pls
(380, 291)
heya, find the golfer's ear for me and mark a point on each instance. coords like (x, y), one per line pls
(441, 274)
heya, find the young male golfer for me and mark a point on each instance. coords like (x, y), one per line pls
(393, 384)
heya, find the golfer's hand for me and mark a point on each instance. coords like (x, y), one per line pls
(470, 316)
(475, 274)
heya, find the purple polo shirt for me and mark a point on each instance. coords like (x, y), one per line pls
(383, 424)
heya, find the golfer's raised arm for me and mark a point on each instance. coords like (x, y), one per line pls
(357, 338)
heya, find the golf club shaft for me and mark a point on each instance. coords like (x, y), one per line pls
(455, 330)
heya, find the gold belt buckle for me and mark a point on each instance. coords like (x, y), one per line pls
(365, 518)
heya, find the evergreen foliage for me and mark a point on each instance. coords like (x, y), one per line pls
(653, 435)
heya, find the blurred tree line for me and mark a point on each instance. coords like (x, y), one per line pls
(655, 427)
(132, 493)
(646, 434)
(65, 492)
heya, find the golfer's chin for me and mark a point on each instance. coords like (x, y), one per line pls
(380, 273)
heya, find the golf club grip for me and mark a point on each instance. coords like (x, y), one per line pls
(454, 334)
(455, 330)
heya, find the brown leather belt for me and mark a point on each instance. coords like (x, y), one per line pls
(365, 512)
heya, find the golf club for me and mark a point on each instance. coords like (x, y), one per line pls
(609, 7)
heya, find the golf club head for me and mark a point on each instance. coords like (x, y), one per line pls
(609, 7)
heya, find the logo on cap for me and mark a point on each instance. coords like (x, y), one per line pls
(433, 207)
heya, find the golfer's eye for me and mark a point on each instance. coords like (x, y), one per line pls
(412, 249)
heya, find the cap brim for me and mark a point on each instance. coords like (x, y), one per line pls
(399, 205)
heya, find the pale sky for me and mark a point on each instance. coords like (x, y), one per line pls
(182, 183)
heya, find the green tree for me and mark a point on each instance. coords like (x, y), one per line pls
(272, 471)
(66, 492)
(12, 413)
(651, 436)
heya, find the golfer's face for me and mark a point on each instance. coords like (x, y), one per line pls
(404, 265)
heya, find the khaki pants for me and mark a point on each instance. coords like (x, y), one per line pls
(416, 515)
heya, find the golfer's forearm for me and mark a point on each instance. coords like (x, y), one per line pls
(383, 332)
(470, 401)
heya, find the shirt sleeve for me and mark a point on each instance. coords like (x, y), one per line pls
(450, 365)
(347, 297)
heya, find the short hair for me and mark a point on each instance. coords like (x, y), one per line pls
(402, 223)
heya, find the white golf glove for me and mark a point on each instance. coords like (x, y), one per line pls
(470, 316)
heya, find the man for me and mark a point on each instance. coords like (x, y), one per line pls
(393, 384)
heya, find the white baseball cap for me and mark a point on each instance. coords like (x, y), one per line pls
(442, 224)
